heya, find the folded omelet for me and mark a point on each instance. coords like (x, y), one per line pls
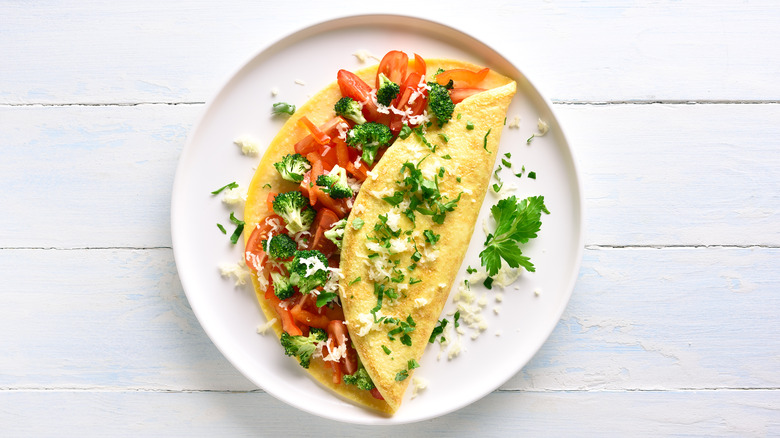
(397, 274)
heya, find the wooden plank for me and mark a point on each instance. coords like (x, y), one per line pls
(95, 176)
(640, 319)
(208, 414)
(604, 50)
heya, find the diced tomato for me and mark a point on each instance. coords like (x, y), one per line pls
(319, 136)
(335, 367)
(288, 324)
(342, 152)
(328, 155)
(323, 222)
(418, 66)
(254, 254)
(407, 88)
(309, 144)
(462, 77)
(393, 65)
(338, 332)
(338, 206)
(316, 170)
(270, 200)
(306, 317)
(376, 394)
(459, 94)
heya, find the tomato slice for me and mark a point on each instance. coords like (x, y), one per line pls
(352, 86)
(254, 255)
(306, 317)
(393, 65)
(338, 332)
(419, 65)
(322, 223)
(459, 94)
(288, 324)
(319, 136)
(462, 77)
(309, 144)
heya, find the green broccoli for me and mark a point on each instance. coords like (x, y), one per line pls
(359, 379)
(309, 270)
(292, 167)
(303, 346)
(336, 232)
(351, 109)
(370, 137)
(335, 183)
(283, 289)
(288, 205)
(387, 90)
(440, 102)
(281, 247)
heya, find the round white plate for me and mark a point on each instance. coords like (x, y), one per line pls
(298, 66)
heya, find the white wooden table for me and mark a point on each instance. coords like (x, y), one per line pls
(673, 110)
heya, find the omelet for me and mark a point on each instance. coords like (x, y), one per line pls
(457, 160)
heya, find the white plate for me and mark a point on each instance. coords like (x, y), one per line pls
(230, 315)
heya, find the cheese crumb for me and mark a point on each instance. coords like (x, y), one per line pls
(248, 146)
(372, 174)
(543, 127)
(364, 55)
(499, 332)
(300, 82)
(537, 292)
(263, 328)
(274, 91)
(420, 302)
(514, 123)
(418, 384)
(238, 270)
(235, 196)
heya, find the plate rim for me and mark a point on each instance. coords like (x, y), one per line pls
(303, 32)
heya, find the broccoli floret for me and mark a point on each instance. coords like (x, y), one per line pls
(387, 90)
(283, 289)
(288, 205)
(336, 232)
(351, 109)
(440, 102)
(370, 136)
(281, 247)
(292, 167)
(335, 183)
(303, 346)
(359, 379)
(309, 270)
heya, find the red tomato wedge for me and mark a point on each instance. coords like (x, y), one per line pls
(254, 254)
(419, 65)
(309, 144)
(319, 136)
(288, 324)
(462, 77)
(306, 317)
(338, 332)
(323, 222)
(375, 393)
(352, 86)
(393, 65)
(458, 94)
(316, 170)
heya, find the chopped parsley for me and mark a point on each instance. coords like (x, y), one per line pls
(406, 131)
(325, 297)
(484, 143)
(444, 138)
(354, 281)
(418, 132)
(239, 228)
(280, 108)
(431, 237)
(488, 283)
(471, 270)
(469, 126)
(438, 330)
(232, 185)
(447, 157)
(221, 228)
(386, 350)
(506, 163)
(266, 186)
(532, 175)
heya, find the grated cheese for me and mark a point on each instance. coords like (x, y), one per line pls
(238, 270)
(248, 146)
(263, 328)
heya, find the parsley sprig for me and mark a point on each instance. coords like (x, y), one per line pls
(516, 223)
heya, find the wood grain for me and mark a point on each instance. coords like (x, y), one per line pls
(147, 51)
